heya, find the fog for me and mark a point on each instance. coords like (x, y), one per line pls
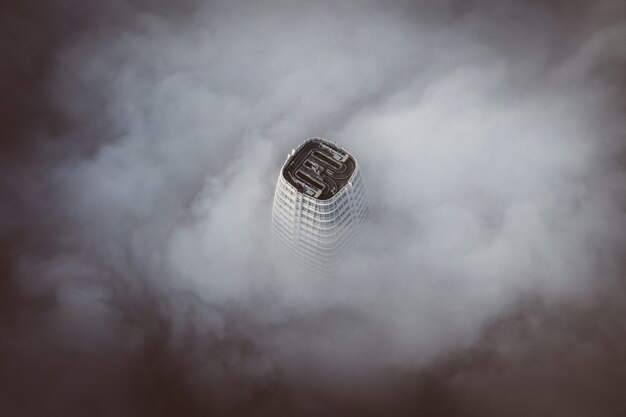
(142, 143)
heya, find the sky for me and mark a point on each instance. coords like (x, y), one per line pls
(141, 143)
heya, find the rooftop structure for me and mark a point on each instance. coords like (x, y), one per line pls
(319, 204)
(319, 169)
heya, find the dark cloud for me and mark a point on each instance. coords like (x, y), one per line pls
(140, 144)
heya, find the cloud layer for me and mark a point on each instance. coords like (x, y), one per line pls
(143, 142)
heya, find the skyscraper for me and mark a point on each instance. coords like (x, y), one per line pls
(319, 204)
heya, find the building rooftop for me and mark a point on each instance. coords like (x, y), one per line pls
(319, 168)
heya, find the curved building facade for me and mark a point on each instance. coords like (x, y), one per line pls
(319, 204)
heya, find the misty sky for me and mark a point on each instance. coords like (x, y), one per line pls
(141, 141)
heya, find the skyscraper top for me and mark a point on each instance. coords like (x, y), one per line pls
(319, 168)
(318, 233)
